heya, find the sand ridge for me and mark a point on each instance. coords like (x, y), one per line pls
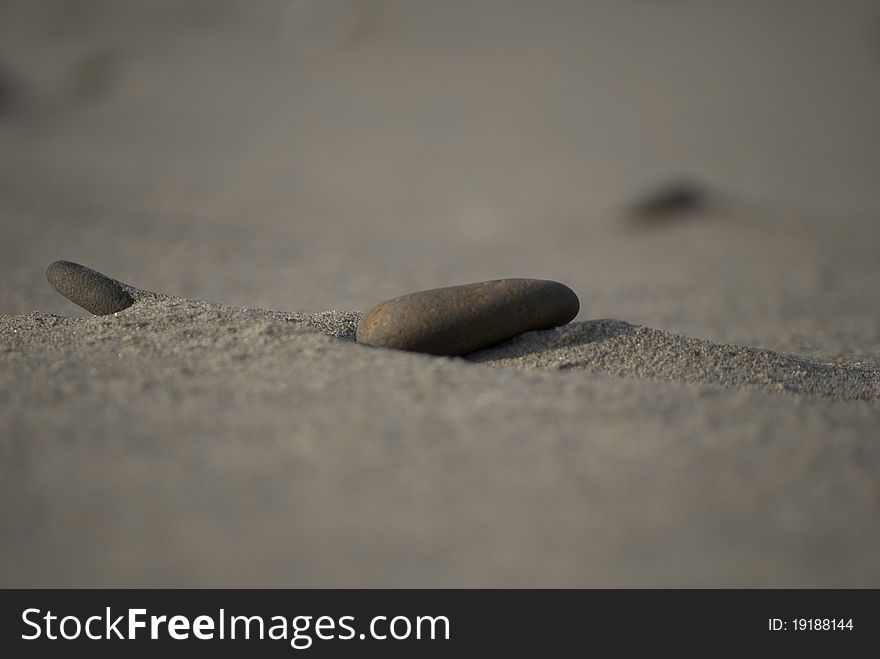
(619, 348)
(608, 346)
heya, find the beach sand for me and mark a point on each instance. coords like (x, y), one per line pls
(709, 419)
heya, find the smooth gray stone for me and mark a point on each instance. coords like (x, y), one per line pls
(94, 292)
(458, 320)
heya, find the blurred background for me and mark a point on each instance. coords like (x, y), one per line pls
(706, 168)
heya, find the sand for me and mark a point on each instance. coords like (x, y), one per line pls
(709, 419)
(186, 443)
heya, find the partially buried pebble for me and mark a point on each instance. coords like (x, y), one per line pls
(94, 292)
(458, 320)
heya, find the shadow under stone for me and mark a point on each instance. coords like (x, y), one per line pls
(568, 336)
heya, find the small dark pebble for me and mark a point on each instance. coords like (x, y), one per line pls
(674, 200)
(458, 320)
(94, 292)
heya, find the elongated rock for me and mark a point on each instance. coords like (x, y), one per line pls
(94, 292)
(458, 320)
